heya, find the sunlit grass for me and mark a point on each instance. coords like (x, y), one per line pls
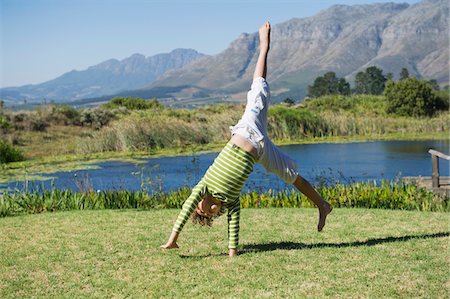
(115, 253)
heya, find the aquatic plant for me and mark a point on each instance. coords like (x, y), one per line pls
(387, 195)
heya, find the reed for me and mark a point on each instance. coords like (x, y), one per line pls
(165, 128)
(384, 195)
(147, 125)
(332, 116)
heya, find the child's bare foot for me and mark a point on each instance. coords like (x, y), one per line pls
(264, 36)
(323, 213)
(169, 246)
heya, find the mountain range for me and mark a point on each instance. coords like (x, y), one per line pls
(344, 39)
(108, 77)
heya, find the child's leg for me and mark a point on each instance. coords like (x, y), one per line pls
(264, 44)
(324, 207)
(274, 160)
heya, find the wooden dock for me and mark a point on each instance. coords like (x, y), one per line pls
(427, 183)
(436, 183)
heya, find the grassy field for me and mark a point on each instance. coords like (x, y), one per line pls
(115, 253)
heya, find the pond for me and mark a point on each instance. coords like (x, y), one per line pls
(324, 162)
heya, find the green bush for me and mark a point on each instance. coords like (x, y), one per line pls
(331, 102)
(38, 124)
(4, 123)
(443, 99)
(96, 117)
(64, 114)
(411, 97)
(9, 153)
(132, 103)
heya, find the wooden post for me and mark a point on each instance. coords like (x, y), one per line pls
(435, 171)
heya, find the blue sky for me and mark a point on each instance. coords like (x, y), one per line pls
(42, 39)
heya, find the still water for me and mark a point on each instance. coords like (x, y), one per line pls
(326, 162)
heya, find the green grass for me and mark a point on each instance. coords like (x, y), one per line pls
(115, 253)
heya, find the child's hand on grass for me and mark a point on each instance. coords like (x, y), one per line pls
(169, 245)
(232, 252)
(172, 242)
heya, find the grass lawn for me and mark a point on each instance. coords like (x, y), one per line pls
(115, 253)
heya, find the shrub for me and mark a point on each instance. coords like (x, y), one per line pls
(97, 117)
(64, 114)
(132, 103)
(330, 102)
(289, 101)
(443, 99)
(38, 124)
(411, 97)
(4, 123)
(9, 153)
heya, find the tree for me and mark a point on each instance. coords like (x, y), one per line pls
(361, 85)
(404, 73)
(371, 81)
(389, 76)
(411, 97)
(434, 85)
(328, 84)
(344, 87)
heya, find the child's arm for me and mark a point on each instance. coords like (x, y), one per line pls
(233, 228)
(172, 242)
(232, 252)
(188, 208)
(264, 41)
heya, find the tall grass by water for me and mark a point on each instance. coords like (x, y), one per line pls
(162, 128)
(131, 124)
(331, 116)
(387, 195)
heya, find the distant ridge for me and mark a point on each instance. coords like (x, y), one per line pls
(108, 77)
